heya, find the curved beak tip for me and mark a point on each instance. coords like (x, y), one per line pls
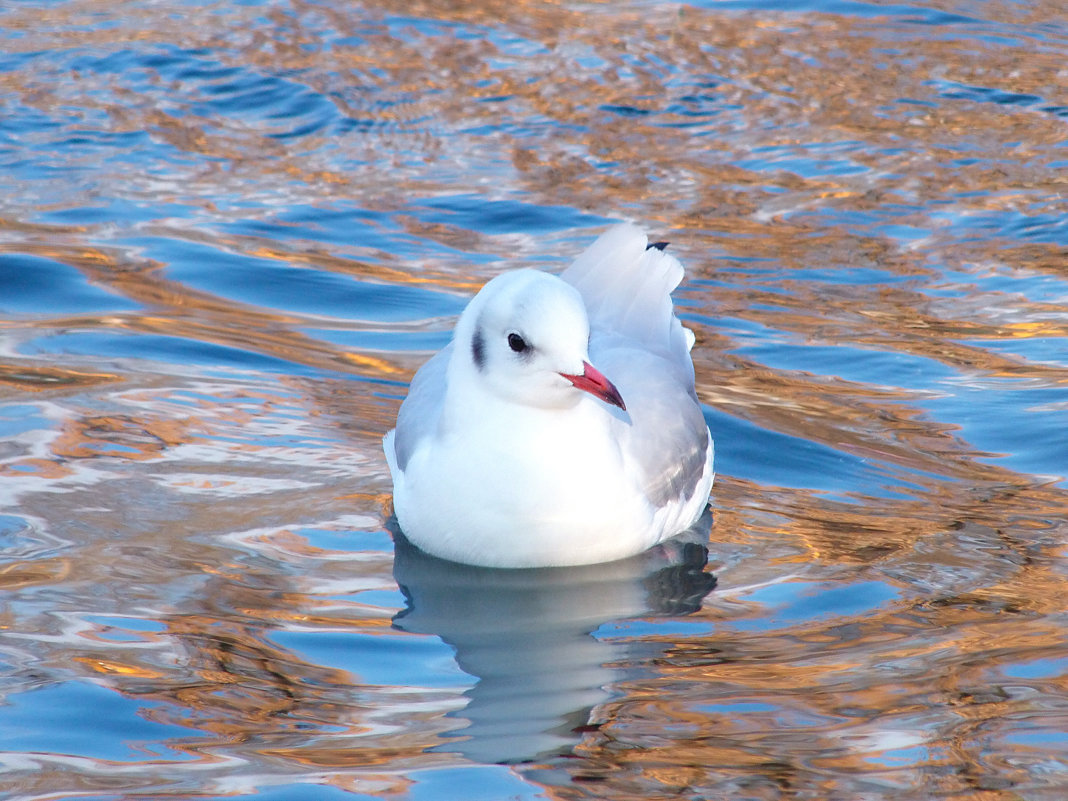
(593, 381)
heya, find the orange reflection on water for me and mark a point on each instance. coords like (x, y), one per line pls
(782, 153)
(35, 378)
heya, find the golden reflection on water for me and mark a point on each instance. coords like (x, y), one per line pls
(183, 500)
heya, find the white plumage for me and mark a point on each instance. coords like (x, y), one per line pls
(513, 447)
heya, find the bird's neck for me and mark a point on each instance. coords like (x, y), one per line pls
(470, 404)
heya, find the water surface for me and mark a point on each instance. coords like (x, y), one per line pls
(230, 233)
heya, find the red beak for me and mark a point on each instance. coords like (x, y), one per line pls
(594, 382)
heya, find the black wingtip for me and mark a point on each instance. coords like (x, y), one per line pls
(657, 245)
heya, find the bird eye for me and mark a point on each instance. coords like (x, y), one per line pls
(517, 343)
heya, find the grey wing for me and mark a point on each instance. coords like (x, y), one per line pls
(638, 342)
(666, 436)
(626, 284)
(674, 460)
(418, 415)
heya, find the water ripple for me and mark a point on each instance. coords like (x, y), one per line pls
(232, 232)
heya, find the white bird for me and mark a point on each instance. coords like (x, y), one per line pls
(513, 450)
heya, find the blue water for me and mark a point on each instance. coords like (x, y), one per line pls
(231, 232)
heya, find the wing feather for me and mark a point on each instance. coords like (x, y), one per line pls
(638, 342)
(419, 414)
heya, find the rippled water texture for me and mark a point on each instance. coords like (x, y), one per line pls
(231, 232)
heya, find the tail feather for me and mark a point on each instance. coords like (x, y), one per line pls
(599, 273)
(626, 284)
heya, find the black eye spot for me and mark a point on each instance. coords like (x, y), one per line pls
(517, 343)
(478, 350)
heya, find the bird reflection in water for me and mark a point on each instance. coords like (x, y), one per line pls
(527, 637)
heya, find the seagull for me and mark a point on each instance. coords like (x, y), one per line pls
(560, 426)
